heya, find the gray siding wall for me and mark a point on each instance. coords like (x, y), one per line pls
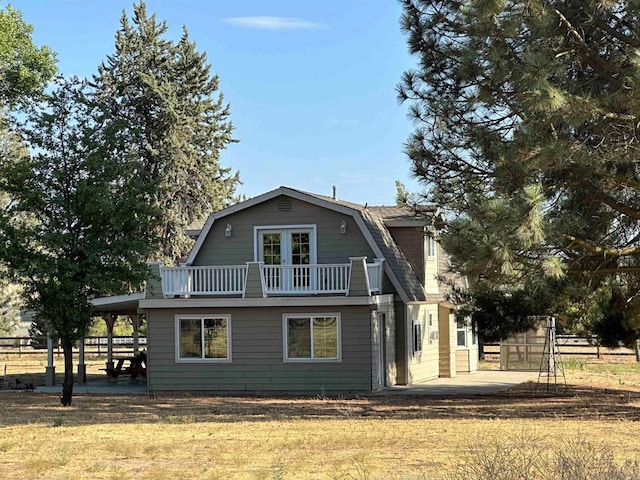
(384, 319)
(257, 355)
(332, 246)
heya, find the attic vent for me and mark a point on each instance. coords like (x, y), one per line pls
(284, 204)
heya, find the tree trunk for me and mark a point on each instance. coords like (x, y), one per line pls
(67, 385)
(637, 349)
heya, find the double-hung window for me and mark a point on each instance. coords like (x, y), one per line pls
(312, 337)
(203, 338)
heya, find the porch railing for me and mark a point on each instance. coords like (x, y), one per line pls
(276, 279)
(306, 279)
(220, 280)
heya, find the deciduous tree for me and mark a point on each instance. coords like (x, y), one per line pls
(77, 225)
(25, 69)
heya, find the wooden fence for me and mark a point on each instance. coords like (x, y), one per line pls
(92, 345)
(525, 352)
(569, 345)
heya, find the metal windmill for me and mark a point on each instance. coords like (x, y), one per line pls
(551, 367)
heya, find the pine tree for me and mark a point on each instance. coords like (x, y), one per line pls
(176, 123)
(526, 133)
(77, 226)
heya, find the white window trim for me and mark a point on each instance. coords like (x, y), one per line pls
(177, 319)
(285, 338)
(468, 335)
(432, 252)
(414, 324)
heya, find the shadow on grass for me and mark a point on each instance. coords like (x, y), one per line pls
(522, 402)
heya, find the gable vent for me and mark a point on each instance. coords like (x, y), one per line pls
(285, 204)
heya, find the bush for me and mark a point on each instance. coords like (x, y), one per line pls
(531, 457)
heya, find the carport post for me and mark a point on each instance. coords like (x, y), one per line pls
(136, 320)
(110, 321)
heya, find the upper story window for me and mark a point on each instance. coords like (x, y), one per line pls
(203, 338)
(312, 337)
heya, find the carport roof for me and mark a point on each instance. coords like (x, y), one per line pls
(118, 304)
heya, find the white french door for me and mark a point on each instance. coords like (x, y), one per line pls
(290, 251)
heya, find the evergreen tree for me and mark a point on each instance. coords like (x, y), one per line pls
(526, 133)
(176, 123)
(77, 225)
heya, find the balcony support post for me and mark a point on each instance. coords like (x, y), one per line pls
(254, 285)
(358, 278)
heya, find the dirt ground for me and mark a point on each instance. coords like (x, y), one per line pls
(526, 401)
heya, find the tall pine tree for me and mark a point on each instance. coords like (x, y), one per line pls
(526, 119)
(177, 123)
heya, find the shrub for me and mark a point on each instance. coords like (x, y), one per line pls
(528, 456)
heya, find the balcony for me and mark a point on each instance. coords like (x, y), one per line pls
(272, 280)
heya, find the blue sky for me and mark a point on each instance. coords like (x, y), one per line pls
(311, 84)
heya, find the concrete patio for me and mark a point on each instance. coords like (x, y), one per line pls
(481, 382)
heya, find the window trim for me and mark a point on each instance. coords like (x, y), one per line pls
(202, 317)
(431, 247)
(417, 334)
(311, 316)
(466, 329)
(285, 230)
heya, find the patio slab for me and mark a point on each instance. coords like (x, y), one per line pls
(481, 382)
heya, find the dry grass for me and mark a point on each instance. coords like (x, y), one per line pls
(372, 437)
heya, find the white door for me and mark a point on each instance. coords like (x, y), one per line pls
(293, 250)
(378, 324)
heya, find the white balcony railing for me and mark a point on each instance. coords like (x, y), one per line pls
(276, 279)
(306, 279)
(222, 280)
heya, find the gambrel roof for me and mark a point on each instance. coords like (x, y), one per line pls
(372, 221)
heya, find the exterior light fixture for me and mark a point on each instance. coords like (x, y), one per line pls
(227, 230)
(343, 226)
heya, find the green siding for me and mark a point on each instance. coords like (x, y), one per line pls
(332, 246)
(411, 240)
(358, 279)
(257, 355)
(254, 282)
(154, 283)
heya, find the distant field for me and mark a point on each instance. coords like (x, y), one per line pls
(30, 367)
(364, 437)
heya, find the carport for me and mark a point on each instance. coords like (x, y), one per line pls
(109, 308)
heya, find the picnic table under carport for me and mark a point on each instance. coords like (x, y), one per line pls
(109, 308)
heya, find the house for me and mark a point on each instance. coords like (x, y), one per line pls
(296, 292)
